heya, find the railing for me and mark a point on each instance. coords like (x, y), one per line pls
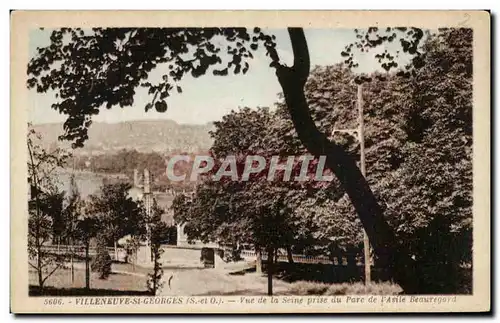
(298, 258)
(79, 250)
(186, 246)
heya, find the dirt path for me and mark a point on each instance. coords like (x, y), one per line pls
(216, 282)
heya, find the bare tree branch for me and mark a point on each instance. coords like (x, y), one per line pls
(35, 267)
(52, 272)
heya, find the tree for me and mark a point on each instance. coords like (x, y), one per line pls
(73, 211)
(257, 212)
(157, 230)
(253, 132)
(45, 207)
(76, 58)
(87, 229)
(331, 94)
(394, 147)
(102, 260)
(418, 152)
(435, 206)
(132, 245)
(118, 214)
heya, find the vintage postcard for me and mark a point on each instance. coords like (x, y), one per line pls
(250, 162)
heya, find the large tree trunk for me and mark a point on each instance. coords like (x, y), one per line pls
(381, 235)
(270, 267)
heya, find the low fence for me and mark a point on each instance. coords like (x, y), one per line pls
(79, 251)
(304, 259)
(341, 260)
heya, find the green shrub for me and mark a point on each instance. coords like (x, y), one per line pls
(308, 288)
(101, 262)
(359, 288)
(337, 289)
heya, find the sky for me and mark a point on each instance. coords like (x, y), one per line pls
(208, 98)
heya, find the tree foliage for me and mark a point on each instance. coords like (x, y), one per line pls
(117, 213)
(73, 211)
(418, 142)
(103, 67)
(258, 211)
(102, 261)
(369, 39)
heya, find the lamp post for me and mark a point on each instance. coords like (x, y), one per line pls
(358, 133)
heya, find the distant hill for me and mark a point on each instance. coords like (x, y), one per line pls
(162, 136)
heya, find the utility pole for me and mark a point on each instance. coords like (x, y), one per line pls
(359, 134)
(361, 137)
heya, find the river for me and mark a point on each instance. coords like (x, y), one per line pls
(87, 182)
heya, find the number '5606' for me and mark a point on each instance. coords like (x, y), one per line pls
(53, 301)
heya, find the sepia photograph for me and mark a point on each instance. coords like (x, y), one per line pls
(301, 165)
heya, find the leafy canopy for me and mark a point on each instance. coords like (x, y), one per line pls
(90, 69)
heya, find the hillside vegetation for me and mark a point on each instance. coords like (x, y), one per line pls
(162, 136)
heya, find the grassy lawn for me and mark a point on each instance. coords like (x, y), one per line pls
(126, 267)
(116, 284)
